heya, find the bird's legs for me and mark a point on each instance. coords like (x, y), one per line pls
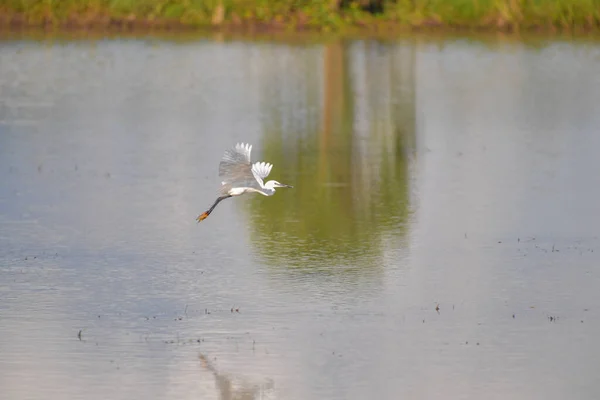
(205, 214)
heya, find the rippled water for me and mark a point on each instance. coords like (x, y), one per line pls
(452, 174)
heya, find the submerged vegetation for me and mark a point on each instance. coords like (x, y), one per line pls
(304, 14)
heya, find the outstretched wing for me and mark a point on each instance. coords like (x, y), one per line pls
(261, 170)
(236, 159)
(235, 169)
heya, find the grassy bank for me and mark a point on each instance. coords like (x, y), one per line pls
(330, 15)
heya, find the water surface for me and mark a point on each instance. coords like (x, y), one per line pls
(441, 239)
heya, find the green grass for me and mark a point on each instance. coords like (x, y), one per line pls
(331, 15)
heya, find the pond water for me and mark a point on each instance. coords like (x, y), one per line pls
(441, 239)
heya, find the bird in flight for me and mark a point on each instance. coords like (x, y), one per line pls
(239, 175)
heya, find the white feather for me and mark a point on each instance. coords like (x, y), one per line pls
(244, 149)
(261, 170)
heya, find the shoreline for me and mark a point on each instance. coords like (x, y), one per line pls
(103, 23)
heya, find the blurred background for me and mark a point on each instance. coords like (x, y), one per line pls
(440, 241)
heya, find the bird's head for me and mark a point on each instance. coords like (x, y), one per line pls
(274, 184)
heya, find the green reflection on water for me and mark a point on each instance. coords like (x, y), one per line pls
(349, 165)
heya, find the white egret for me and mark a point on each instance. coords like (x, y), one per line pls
(240, 176)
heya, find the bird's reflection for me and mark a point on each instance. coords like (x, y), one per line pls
(242, 391)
